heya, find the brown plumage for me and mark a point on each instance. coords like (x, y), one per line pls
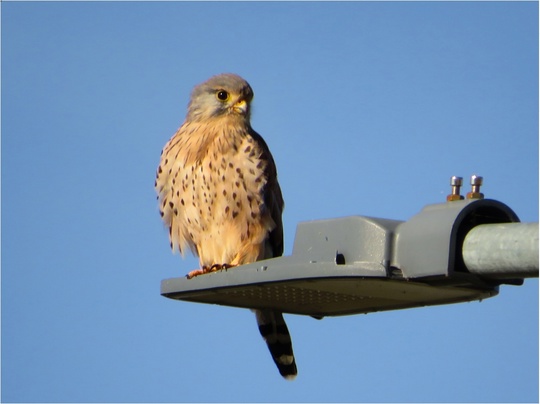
(219, 195)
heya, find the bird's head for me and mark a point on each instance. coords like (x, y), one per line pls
(224, 95)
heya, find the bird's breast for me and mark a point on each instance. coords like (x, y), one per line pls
(221, 185)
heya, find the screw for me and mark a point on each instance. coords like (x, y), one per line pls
(476, 183)
(456, 183)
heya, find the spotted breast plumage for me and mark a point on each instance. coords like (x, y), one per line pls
(219, 195)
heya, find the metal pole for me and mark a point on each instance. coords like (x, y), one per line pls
(506, 250)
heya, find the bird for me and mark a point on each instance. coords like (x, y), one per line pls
(219, 196)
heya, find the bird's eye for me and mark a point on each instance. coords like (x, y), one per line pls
(222, 95)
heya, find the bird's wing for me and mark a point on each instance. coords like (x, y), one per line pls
(273, 198)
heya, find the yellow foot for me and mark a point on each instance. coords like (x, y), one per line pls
(206, 270)
(195, 272)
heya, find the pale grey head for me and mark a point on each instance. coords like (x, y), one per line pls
(222, 95)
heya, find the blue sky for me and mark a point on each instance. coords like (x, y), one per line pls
(368, 109)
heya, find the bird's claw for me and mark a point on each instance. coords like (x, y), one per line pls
(206, 270)
(195, 272)
(217, 267)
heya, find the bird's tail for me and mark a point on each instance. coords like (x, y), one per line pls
(276, 334)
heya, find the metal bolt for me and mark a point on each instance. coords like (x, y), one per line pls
(456, 183)
(476, 183)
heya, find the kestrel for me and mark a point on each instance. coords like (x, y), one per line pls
(219, 195)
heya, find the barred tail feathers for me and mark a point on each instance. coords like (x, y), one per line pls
(276, 334)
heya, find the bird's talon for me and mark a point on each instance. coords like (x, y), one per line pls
(207, 270)
(196, 272)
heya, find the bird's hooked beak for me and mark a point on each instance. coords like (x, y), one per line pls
(241, 107)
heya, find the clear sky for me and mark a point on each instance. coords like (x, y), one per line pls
(368, 109)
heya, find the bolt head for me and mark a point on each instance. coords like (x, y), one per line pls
(476, 180)
(456, 181)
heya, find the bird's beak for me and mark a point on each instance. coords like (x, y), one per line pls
(241, 107)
